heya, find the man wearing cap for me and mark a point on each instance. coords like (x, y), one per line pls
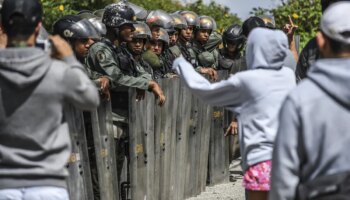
(34, 88)
(311, 157)
(310, 52)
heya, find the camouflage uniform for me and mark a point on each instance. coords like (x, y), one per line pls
(203, 57)
(233, 65)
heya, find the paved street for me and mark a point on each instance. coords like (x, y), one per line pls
(229, 191)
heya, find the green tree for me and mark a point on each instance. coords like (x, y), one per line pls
(306, 14)
(54, 9)
(220, 13)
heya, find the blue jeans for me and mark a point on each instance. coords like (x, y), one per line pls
(34, 193)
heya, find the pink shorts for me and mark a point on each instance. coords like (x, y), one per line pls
(257, 177)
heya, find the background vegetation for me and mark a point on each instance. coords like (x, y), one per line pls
(306, 14)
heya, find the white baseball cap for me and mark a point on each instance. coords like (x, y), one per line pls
(335, 22)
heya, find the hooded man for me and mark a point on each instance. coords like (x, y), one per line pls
(34, 139)
(311, 158)
(255, 96)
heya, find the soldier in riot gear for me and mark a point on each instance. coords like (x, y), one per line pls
(207, 61)
(160, 21)
(110, 59)
(119, 19)
(137, 46)
(159, 46)
(251, 23)
(81, 35)
(185, 36)
(215, 38)
(179, 24)
(230, 57)
(157, 19)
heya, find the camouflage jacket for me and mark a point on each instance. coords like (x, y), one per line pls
(106, 59)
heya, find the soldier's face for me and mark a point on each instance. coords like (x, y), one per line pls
(82, 46)
(202, 35)
(173, 38)
(156, 47)
(231, 47)
(136, 45)
(155, 31)
(187, 33)
(125, 32)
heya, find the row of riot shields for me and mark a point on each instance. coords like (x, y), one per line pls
(175, 151)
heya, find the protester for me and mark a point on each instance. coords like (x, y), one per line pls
(34, 141)
(310, 52)
(311, 159)
(256, 103)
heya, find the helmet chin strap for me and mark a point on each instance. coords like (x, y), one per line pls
(116, 33)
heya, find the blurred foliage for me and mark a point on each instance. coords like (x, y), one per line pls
(220, 13)
(306, 14)
(54, 9)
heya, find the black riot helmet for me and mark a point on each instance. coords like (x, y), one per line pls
(20, 17)
(118, 14)
(60, 26)
(99, 26)
(83, 29)
(140, 12)
(95, 20)
(250, 24)
(73, 30)
(233, 34)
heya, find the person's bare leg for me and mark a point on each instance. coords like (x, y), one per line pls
(257, 195)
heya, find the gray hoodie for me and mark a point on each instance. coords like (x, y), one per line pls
(314, 134)
(34, 140)
(254, 95)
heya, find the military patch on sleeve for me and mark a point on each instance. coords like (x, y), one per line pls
(101, 56)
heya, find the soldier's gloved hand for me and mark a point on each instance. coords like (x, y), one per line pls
(60, 48)
(104, 82)
(213, 75)
(232, 129)
(140, 94)
(158, 92)
(104, 87)
(105, 95)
